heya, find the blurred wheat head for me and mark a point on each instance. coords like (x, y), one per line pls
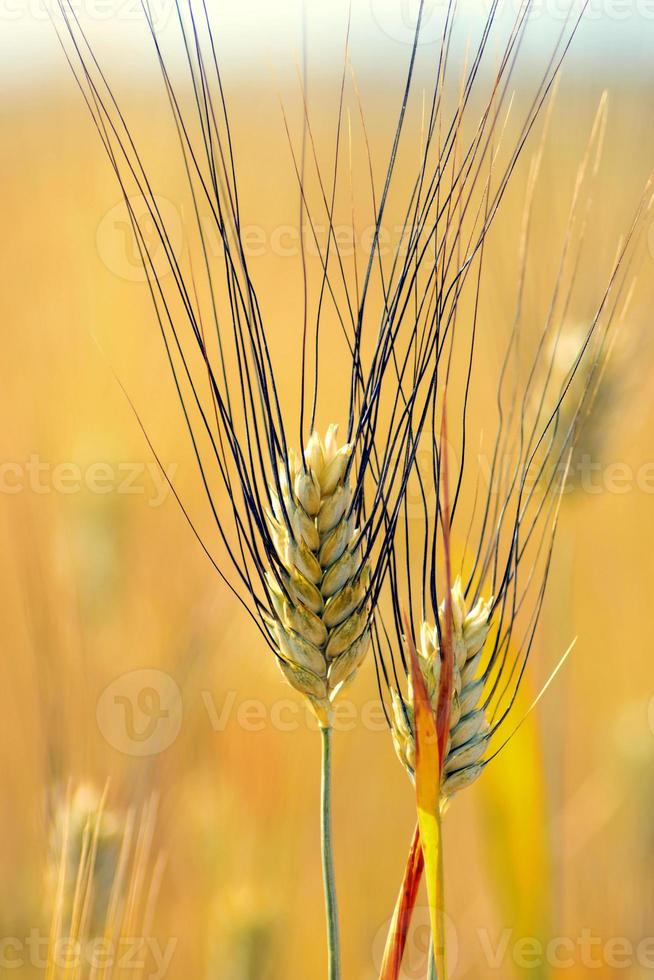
(102, 885)
(85, 846)
(598, 386)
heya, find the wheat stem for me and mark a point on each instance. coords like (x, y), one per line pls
(432, 975)
(331, 906)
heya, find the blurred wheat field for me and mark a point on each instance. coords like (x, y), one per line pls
(96, 584)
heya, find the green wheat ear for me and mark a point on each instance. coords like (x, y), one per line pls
(321, 627)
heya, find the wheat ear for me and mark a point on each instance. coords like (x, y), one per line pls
(321, 627)
(469, 727)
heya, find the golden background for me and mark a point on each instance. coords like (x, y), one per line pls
(556, 838)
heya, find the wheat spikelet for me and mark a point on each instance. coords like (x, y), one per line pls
(321, 626)
(469, 727)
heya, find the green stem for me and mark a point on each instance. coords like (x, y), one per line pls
(331, 906)
(433, 975)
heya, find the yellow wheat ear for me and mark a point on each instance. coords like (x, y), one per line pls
(321, 622)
